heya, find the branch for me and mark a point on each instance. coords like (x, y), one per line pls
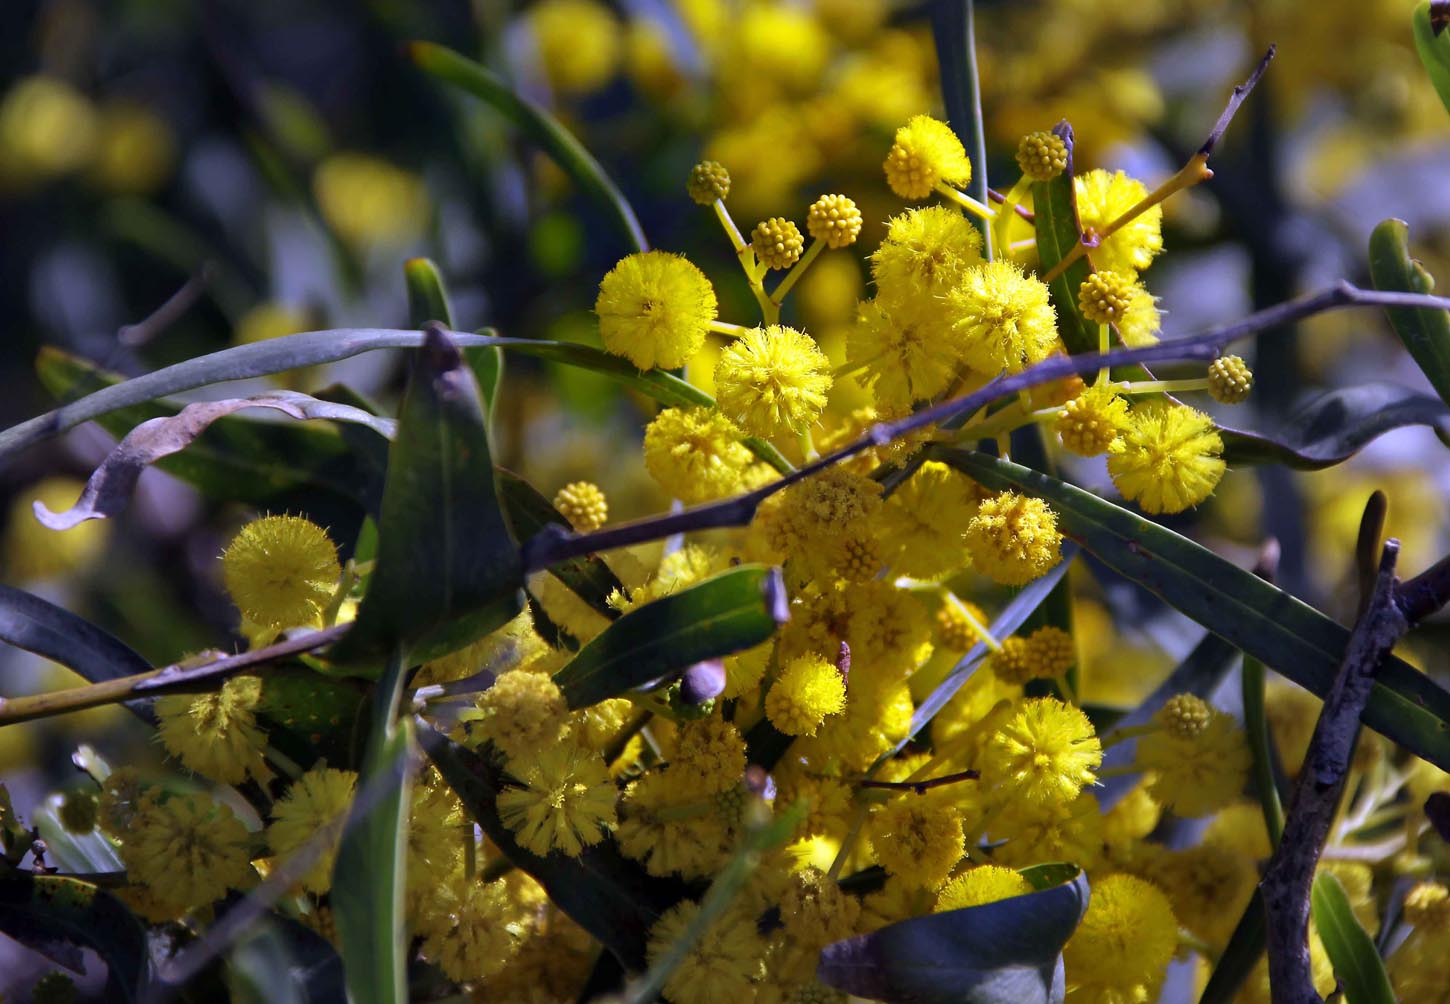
(138, 334)
(1317, 790)
(921, 787)
(1425, 593)
(1235, 99)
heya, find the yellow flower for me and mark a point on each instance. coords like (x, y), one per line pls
(368, 202)
(583, 504)
(709, 756)
(925, 253)
(835, 220)
(1090, 423)
(1101, 199)
(1200, 773)
(1043, 754)
(316, 800)
(579, 43)
(778, 242)
(135, 149)
(925, 152)
(1046, 653)
(1138, 327)
(923, 524)
(1013, 538)
(695, 454)
(281, 571)
(722, 966)
(566, 802)
(954, 628)
(654, 309)
(187, 851)
(1002, 318)
(1170, 457)
(1052, 831)
(1427, 905)
(772, 380)
(1105, 296)
(917, 839)
(1124, 942)
(814, 910)
(807, 690)
(1041, 156)
(1230, 380)
(216, 734)
(670, 827)
(47, 128)
(899, 350)
(473, 928)
(1184, 716)
(983, 884)
(708, 182)
(523, 712)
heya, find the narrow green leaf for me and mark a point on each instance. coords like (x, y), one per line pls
(726, 613)
(1007, 952)
(54, 915)
(953, 31)
(538, 125)
(427, 297)
(1054, 209)
(1256, 726)
(448, 571)
(1426, 333)
(1263, 621)
(370, 874)
(1430, 24)
(1242, 953)
(528, 512)
(608, 895)
(1334, 426)
(1357, 963)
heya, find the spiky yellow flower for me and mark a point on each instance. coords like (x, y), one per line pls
(708, 182)
(772, 380)
(216, 734)
(807, 690)
(667, 825)
(566, 802)
(187, 851)
(1170, 457)
(654, 309)
(925, 253)
(1121, 949)
(1200, 773)
(583, 504)
(923, 523)
(917, 839)
(1230, 380)
(1090, 423)
(899, 352)
(778, 242)
(695, 454)
(835, 220)
(523, 712)
(1044, 753)
(1101, 199)
(1138, 327)
(983, 884)
(281, 571)
(473, 929)
(1427, 905)
(814, 910)
(579, 42)
(1002, 318)
(1042, 156)
(925, 152)
(314, 802)
(709, 756)
(1013, 539)
(723, 965)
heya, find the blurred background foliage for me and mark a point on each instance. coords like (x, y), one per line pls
(276, 163)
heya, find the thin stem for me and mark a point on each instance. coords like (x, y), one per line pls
(971, 205)
(1256, 724)
(777, 297)
(1163, 386)
(726, 328)
(979, 133)
(1016, 207)
(808, 445)
(746, 256)
(737, 241)
(921, 787)
(847, 368)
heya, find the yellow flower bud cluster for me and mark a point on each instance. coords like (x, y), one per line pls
(1230, 380)
(709, 182)
(835, 220)
(1042, 156)
(778, 242)
(583, 504)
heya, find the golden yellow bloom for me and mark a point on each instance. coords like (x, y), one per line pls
(670, 827)
(708, 182)
(1050, 831)
(1124, 942)
(772, 380)
(900, 353)
(1230, 380)
(778, 242)
(979, 885)
(1200, 773)
(473, 929)
(1043, 754)
(318, 799)
(187, 851)
(918, 839)
(1101, 199)
(1090, 423)
(1104, 297)
(579, 43)
(369, 202)
(1013, 538)
(722, 966)
(135, 149)
(954, 628)
(695, 454)
(47, 128)
(807, 690)
(835, 220)
(1184, 716)
(1170, 457)
(925, 152)
(654, 309)
(281, 571)
(583, 504)
(925, 253)
(1002, 318)
(523, 712)
(216, 734)
(1427, 905)
(566, 802)
(1046, 653)
(924, 522)
(709, 756)
(815, 911)
(1138, 327)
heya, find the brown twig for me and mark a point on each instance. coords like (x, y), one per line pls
(920, 787)
(1290, 873)
(1240, 93)
(177, 304)
(1425, 593)
(1017, 207)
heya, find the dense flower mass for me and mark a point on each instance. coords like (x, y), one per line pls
(281, 571)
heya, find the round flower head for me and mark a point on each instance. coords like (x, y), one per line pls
(1042, 156)
(1104, 297)
(1051, 831)
(1046, 653)
(709, 181)
(772, 380)
(778, 242)
(919, 840)
(187, 851)
(661, 828)
(566, 802)
(724, 963)
(1184, 715)
(316, 800)
(709, 756)
(807, 690)
(814, 910)
(1230, 380)
(654, 309)
(923, 523)
(926, 252)
(522, 713)
(1043, 754)
(1101, 199)
(695, 454)
(925, 152)
(1170, 457)
(583, 504)
(983, 884)
(954, 628)
(900, 354)
(1125, 941)
(579, 43)
(1013, 538)
(835, 220)
(1138, 327)
(473, 929)
(1199, 773)
(216, 734)
(281, 571)
(1427, 904)
(1002, 318)
(1089, 424)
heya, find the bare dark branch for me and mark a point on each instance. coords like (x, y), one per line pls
(1240, 93)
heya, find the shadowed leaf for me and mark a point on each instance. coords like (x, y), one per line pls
(1426, 333)
(528, 512)
(1357, 963)
(1432, 41)
(54, 915)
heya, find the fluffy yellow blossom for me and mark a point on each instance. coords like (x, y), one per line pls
(695, 454)
(315, 801)
(772, 380)
(474, 928)
(1053, 831)
(1200, 773)
(1184, 716)
(187, 851)
(709, 756)
(566, 802)
(1139, 324)
(523, 712)
(1170, 458)
(671, 827)
(1013, 538)
(579, 43)
(216, 734)
(369, 202)
(47, 128)
(583, 504)
(954, 628)
(1002, 318)
(654, 309)
(1090, 423)
(1101, 199)
(918, 839)
(1230, 380)
(1044, 753)
(1427, 904)
(1121, 949)
(923, 524)
(815, 911)
(899, 352)
(925, 253)
(807, 690)
(983, 884)
(886, 629)
(925, 153)
(281, 571)
(778, 242)
(721, 967)
(1209, 887)
(835, 220)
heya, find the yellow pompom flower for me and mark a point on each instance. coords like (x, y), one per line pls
(954, 628)
(473, 928)
(523, 712)
(709, 756)
(772, 380)
(1197, 773)
(1090, 423)
(1138, 327)
(1052, 831)
(1042, 156)
(566, 802)
(1184, 716)
(669, 827)
(835, 220)
(1013, 539)
(47, 128)
(899, 351)
(925, 253)
(922, 525)
(1101, 199)
(724, 963)
(654, 309)
(814, 910)
(807, 690)
(583, 504)
(695, 454)
(187, 851)
(1121, 949)
(925, 152)
(369, 202)
(579, 43)
(281, 571)
(1002, 318)
(1170, 458)
(216, 734)
(1230, 380)
(778, 242)
(1046, 653)
(983, 884)
(315, 801)
(1043, 754)
(1427, 905)
(918, 839)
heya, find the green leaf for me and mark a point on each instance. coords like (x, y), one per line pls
(1054, 209)
(1263, 621)
(528, 512)
(309, 716)
(1357, 964)
(726, 613)
(428, 301)
(538, 125)
(1242, 953)
(1265, 768)
(448, 571)
(370, 875)
(1430, 25)
(611, 897)
(1426, 333)
(1334, 426)
(1007, 952)
(54, 915)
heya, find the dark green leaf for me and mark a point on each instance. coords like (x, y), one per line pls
(1426, 333)
(309, 716)
(448, 571)
(1266, 770)
(1357, 964)
(1242, 953)
(52, 915)
(1054, 209)
(611, 897)
(428, 301)
(1008, 952)
(1431, 26)
(282, 962)
(538, 125)
(528, 512)
(1332, 427)
(726, 613)
(1263, 621)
